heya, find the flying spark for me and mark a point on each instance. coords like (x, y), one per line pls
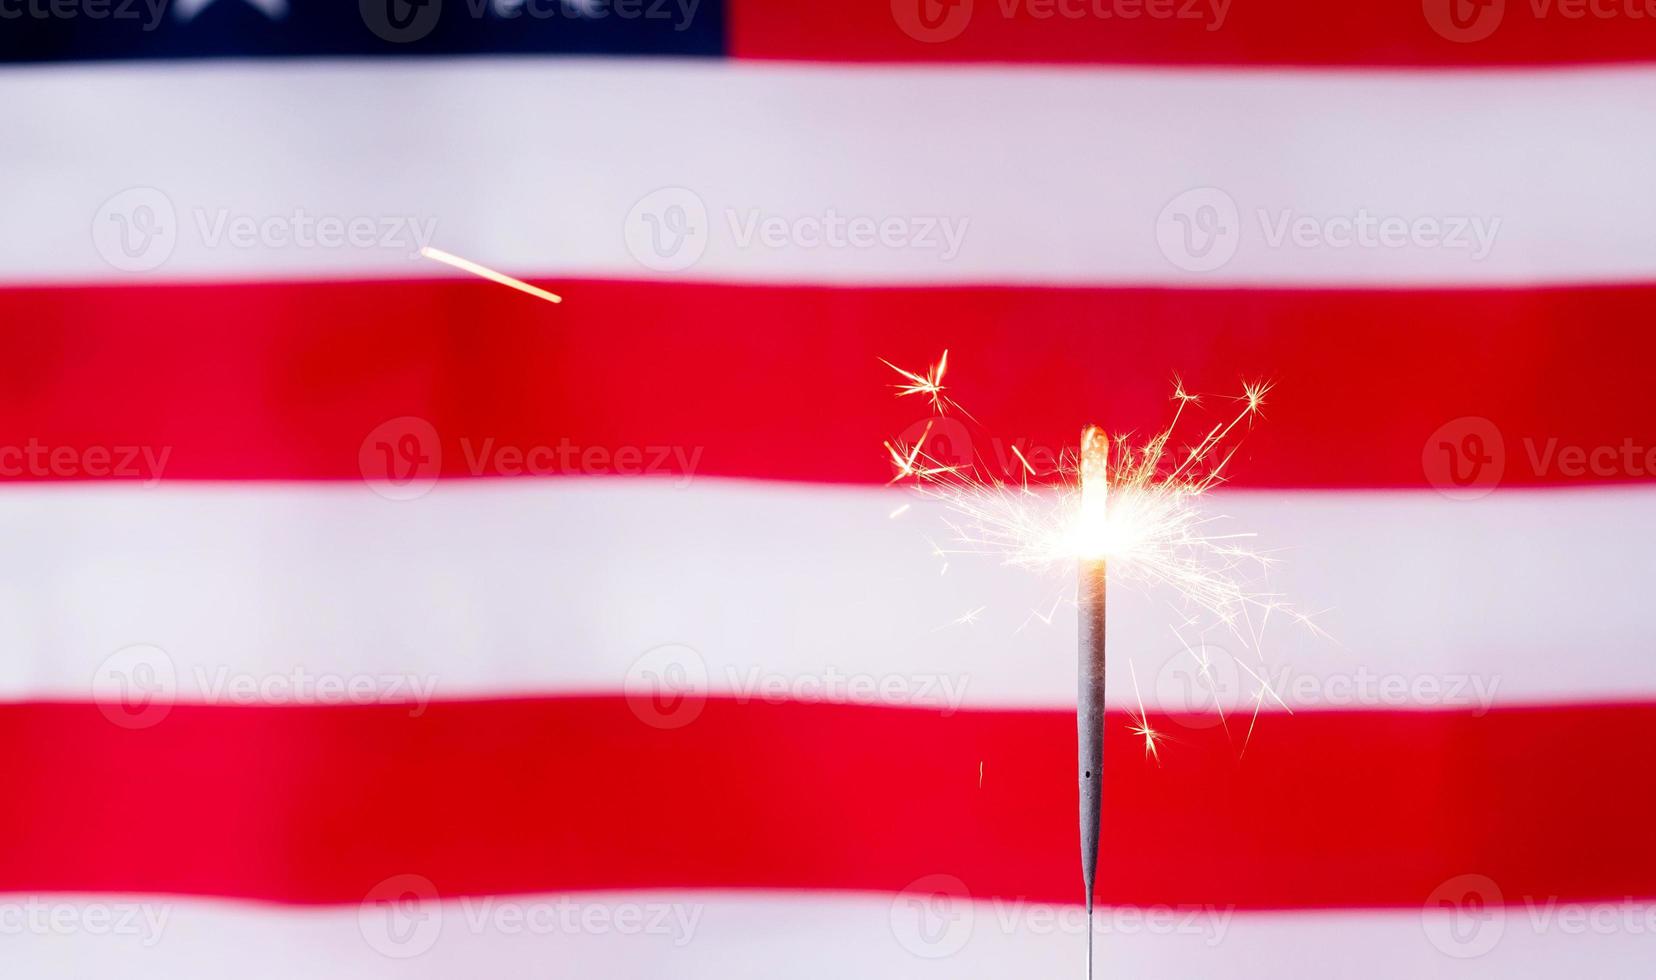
(467, 265)
(929, 383)
(1141, 723)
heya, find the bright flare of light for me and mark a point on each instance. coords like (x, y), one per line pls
(1092, 523)
(1137, 505)
(467, 265)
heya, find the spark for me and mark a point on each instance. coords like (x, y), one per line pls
(1045, 618)
(969, 619)
(1259, 702)
(1204, 669)
(1254, 394)
(980, 774)
(1028, 470)
(905, 459)
(929, 384)
(467, 265)
(899, 512)
(1141, 725)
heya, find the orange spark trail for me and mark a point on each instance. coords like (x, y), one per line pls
(467, 265)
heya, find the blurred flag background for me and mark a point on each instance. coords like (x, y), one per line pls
(362, 618)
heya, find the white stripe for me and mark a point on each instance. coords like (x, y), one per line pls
(1061, 175)
(561, 585)
(713, 934)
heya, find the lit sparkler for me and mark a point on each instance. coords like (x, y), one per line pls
(1110, 505)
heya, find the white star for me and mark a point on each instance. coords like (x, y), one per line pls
(186, 10)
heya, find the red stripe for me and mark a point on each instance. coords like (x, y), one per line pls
(319, 804)
(1436, 33)
(285, 381)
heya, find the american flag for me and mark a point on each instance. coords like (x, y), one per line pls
(363, 618)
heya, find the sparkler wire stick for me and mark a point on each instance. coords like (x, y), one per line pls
(1091, 592)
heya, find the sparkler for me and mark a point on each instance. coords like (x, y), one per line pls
(1109, 505)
